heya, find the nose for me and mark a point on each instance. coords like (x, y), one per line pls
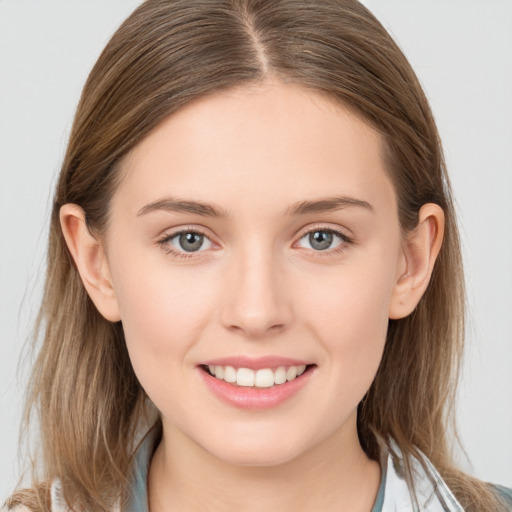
(256, 302)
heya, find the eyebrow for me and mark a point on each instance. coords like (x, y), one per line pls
(170, 204)
(209, 210)
(327, 204)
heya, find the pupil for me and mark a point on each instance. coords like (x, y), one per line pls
(320, 240)
(191, 241)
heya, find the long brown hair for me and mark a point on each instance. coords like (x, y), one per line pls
(166, 54)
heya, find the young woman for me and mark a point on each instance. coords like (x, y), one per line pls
(254, 296)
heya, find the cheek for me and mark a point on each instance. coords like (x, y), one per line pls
(163, 313)
(350, 318)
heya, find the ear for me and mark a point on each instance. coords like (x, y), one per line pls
(91, 261)
(421, 248)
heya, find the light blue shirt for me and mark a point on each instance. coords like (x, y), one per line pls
(395, 493)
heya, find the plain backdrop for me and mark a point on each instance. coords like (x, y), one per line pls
(462, 52)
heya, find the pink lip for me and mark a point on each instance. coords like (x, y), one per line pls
(255, 363)
(252, 397)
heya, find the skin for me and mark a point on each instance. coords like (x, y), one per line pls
(257, 287)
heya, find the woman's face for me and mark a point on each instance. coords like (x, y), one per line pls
(256, 232)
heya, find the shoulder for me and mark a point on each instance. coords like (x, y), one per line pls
(16, 508)
(44, 498)
(27, 501)
(21, 505)
(505, 494)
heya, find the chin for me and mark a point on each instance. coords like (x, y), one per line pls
(255, 452)
(256, 458)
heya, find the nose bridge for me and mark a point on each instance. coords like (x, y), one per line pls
(256, 301)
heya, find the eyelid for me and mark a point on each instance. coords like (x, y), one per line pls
(345, 241)
(326, 227)
(164, 241)
(172, 232)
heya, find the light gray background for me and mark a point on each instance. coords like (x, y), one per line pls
(462, 52)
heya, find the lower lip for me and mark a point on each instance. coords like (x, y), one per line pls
(252, 397)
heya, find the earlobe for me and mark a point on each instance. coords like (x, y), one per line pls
(91, 261)
(421, 248)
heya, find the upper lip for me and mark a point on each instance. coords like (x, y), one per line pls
(254, 363)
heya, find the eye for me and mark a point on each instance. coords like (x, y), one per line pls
(323, 239)
(183, 243)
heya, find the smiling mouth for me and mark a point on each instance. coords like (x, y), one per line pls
(262, 378)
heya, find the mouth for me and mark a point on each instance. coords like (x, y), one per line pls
(256, 383)
(262, 378)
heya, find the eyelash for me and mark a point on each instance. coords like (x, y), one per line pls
(164, 242)
(344, 240)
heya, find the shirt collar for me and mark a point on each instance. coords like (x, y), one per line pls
(426, 493)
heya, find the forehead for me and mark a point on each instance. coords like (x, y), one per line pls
(267, 144)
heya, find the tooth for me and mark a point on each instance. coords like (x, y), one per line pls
(229, 374)
(219, 372)
(245, 377)
(264, 378)
(280, 375)
(291, 373)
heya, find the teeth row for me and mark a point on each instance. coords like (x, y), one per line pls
(264, 378)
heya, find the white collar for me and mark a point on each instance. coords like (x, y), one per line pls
(431, 494)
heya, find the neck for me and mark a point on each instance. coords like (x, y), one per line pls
(334, 475)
